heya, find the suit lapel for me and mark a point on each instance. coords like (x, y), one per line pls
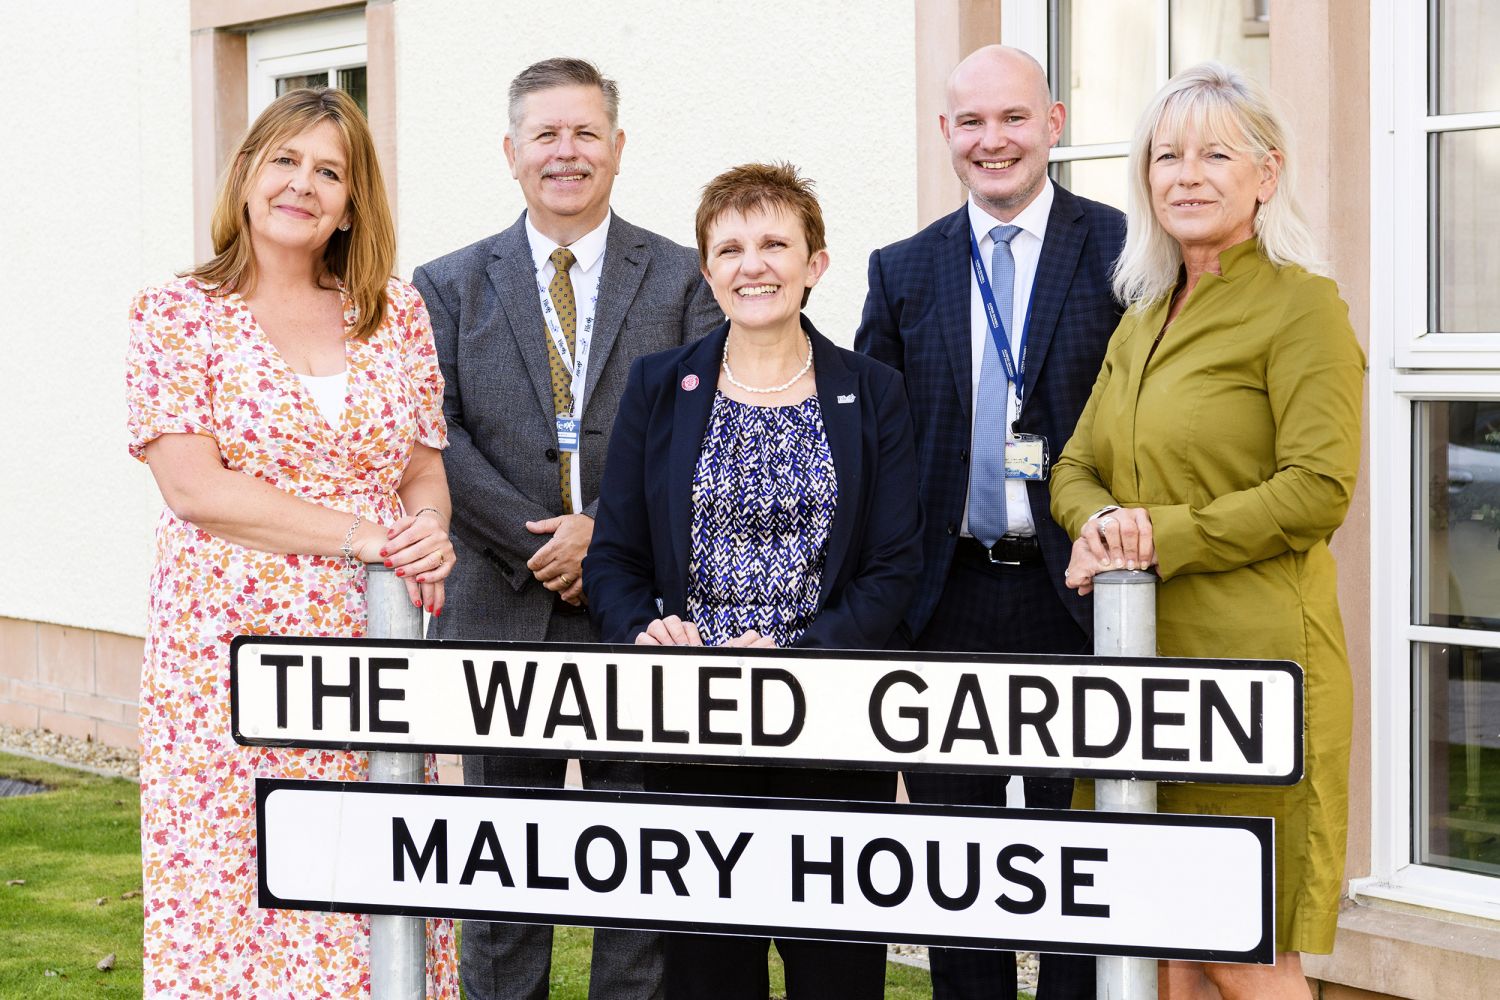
(690, 414)
(513, 273)
(626, 257)
(1054, 276)
(841, 423)
(953, 306)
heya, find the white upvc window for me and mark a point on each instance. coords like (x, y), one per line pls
(325, 51)
(1435, 456)
(1106, 59)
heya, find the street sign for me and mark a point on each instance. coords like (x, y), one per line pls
(1183, 887)
(1160, 718)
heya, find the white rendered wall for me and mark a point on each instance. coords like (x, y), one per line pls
(98, 202)
(704, 85)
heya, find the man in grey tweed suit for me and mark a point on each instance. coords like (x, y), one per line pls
(568, 290)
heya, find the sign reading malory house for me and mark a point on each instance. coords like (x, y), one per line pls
(1187, 887)
(1163, 719)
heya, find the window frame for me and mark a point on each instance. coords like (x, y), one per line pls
(310, 45)
(1407, 367)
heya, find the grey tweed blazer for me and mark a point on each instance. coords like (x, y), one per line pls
(501, 459)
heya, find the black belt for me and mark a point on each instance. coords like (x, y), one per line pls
(1009, 550)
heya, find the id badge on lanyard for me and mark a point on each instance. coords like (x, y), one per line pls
(570, 424)
(1026, 455)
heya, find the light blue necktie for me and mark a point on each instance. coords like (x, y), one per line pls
(987, 517)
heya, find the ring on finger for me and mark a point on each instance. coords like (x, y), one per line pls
(565, 579)
(441, 558)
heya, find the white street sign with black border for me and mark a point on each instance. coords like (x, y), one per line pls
(1165, 719)
(1152, 886)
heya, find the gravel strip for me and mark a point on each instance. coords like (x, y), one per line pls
(912, 954)
(85, 755)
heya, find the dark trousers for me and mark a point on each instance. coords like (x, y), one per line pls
(514, 961)
(724, 967)
(990, 608)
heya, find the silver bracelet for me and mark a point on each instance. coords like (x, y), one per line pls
(348, 547)
(425, 510)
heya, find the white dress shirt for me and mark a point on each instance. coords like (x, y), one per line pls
(1026, 248)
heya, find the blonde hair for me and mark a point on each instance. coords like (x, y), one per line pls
(1225, 107)
(363, 257)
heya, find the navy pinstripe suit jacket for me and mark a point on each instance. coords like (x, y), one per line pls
(916, 319)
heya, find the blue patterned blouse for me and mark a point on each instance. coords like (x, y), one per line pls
(764, 495)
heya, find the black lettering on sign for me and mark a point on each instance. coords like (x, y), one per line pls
(1072, 878)
(378, 694)
(968, 690)
(915, 714)
(568, 679)
(1038, 719)
(671, 866)
(534, 877)
(516, 708)
(434, 852)
(759, 678)
(833, 868)
(322, 690)
(1005, 863)
(1081, 746)
(616, 876)
(707, 705)
(897, 850)
(281, 663)
(1151, 718)
(724, 863)
(964, 899)
(1251, 738)
(659, 731)
(486, 855)
(612, 728)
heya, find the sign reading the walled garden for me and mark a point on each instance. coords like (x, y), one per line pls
(1159, 719)
(1185, 887)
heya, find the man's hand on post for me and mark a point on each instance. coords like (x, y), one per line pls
(558, 565)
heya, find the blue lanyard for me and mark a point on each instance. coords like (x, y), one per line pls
(1015, 373)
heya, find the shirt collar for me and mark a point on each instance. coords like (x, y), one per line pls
(587, 249)
(1032, 219)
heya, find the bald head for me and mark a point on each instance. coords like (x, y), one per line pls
(1000, 123)
(999, 64)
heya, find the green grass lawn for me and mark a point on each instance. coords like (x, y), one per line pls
(72, 846)
(80, 842)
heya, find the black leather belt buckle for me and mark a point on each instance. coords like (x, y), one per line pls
(1015, 550)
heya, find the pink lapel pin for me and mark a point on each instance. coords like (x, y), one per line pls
(689, 383)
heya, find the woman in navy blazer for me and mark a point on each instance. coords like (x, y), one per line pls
(760, 490)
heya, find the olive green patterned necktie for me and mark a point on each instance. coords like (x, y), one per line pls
(561, 292)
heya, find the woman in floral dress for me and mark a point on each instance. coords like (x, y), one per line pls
(287, 399)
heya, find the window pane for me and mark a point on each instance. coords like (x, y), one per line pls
(352, 82)
(1465, 219)
(288, 83)
(1457, 766)
(1104, 54)
(1226, 30)
(1466, 47)
(1457, 514)
(1101, 180)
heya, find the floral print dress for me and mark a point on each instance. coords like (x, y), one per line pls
(199, 364)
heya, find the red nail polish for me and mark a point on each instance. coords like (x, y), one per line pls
(387, 562)
(416, 604)
(383, 553)
(391, 533)
(401, 572)
(438, 613)
(421, 579)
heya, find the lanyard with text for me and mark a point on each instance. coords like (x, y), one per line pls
(1015, 373)
(570, 425)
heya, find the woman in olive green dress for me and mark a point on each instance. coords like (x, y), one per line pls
(1220, 446)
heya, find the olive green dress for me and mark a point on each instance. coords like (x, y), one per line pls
(1242, 438)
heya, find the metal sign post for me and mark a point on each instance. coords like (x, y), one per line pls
(398, 945)
(1125, 625)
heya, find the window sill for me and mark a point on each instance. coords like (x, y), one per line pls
(1409, 951)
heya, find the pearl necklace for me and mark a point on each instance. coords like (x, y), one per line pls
(775, 388)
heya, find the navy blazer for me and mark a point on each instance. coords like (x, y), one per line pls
(916, 319)
(642, 535)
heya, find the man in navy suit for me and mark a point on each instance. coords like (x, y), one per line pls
(998, 315)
